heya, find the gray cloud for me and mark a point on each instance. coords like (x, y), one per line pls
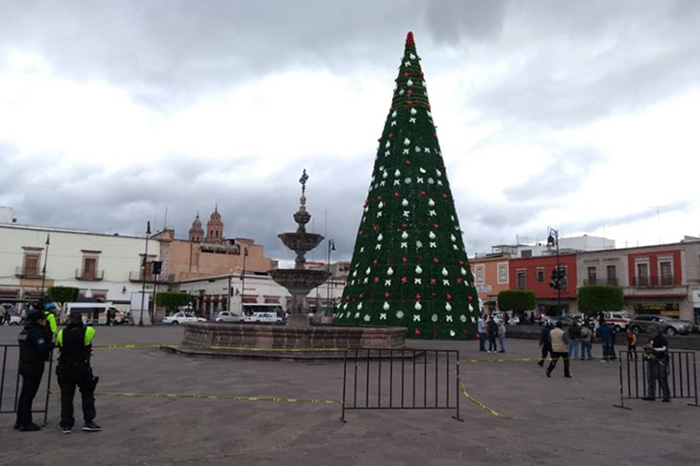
(564, 174)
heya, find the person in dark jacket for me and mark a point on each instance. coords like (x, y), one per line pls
(656, 358)
(605, 333)
(492, 330)
(34, 350)
(73, 370)
(545, 343)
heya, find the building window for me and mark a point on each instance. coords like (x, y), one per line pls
(526, 253)
(479, 272)
(612, 275)
(503, 272)
(540, 275)
(666, 269)
(642, 274)
(30, 266)
(521, 283)
(592, 276)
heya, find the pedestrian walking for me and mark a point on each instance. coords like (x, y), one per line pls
(656, 358)
(34, 351)
(605, 334)
(632, 344)
(574, 336)
(74, 370)
(545, 343)
(502, 336)
(586, 341)
(492, 331)
(559, 339)
(481, 329)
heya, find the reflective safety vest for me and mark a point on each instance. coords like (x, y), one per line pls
(51, 319)
(75, 342)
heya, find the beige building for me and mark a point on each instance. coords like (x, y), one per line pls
(209, 253)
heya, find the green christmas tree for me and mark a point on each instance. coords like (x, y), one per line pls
(409, 267)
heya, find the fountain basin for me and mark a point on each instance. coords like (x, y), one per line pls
(242, 337)
(301, 243)
(299, 281)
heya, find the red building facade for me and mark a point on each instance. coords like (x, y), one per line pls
(535, 274)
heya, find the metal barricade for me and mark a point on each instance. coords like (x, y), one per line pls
(400, 379)
(10, 382)
(681, 375)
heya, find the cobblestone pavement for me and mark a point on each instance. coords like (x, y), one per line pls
(558, 421)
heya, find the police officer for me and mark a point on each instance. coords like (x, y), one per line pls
(656, 357)
(34, 350)
(73, 369)
(49, 311)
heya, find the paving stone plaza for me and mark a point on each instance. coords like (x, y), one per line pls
(557, 421)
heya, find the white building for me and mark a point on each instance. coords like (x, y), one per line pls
(106, 267)
(568, 245)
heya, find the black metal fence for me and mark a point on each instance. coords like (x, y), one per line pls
(10, 383)
(681, 375)
(400, 379)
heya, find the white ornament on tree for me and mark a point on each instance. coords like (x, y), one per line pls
(404, 235)
(419, 270)
(448, 307)
(418, 306)
(390, 271)
(404, 202)
(445, 272)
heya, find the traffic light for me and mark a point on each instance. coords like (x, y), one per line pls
(558, 277)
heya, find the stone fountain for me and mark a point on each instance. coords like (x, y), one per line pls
(299, 281)
(297, 335)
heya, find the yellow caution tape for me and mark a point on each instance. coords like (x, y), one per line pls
(226, 348)
(477, 361)
(269, 399)
(481, 405)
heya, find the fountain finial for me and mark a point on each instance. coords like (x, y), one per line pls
(302, 217)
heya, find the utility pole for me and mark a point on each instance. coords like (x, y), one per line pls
(143, 275)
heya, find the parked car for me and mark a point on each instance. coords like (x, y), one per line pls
(227, 316)
(181, 317)
(15, 320)
(264, 317)
(667, 325)
(618, 319)
(569, 319)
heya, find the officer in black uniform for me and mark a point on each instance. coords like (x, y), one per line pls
(34, 349)
(73, 369)
(656, 358)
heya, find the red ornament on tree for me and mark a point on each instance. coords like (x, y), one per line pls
(422, 193)
(376, 279)
(396, 194)
(436, 226)
(448, 296)
(461, 262)
(374, 261)
(470, 298)
(404, 280)
(416, 332)
(432, 281)
(459, 280)
(408, 163)
(409, 103)
(404, 260)
(417, 296)
(435, 260)
(386, 295)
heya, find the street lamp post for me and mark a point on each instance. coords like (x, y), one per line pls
(143, 275)
(331, 247)
(43, 270)
(245, 255)
(553, 240)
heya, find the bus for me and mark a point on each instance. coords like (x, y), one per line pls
(96, 313)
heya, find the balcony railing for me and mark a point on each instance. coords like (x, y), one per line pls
(89, 275)
(137, 277)
(611, 281)
(22, 272)
(654, 282)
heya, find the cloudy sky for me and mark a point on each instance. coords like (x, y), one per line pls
(582, 116)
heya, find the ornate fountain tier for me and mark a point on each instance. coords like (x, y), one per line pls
(301, 243)
(299, 282)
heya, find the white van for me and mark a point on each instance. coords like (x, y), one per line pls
(96, 313)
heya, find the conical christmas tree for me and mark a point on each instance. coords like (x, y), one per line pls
(409, 267)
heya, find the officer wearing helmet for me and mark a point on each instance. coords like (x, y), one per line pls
(34, 350)
(74, 370)
(50, 312)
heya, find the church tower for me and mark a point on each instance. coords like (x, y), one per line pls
(196, 232)
(215, 228)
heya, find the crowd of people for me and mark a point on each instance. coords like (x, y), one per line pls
(575, 341)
